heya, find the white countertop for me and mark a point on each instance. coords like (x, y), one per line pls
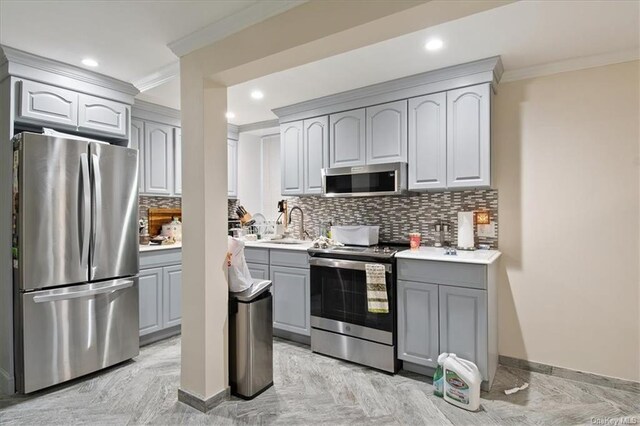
(482, 257)
(268, 245)
(154, 247)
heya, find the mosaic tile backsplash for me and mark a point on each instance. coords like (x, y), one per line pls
(397, 216)
(145, 202)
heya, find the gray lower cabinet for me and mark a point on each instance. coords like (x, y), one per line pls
(387, 133)
(418, 333)
(291, 299)
(259, 271)
(172, 295)
(347, 138)
(150, 296)
(463, 324)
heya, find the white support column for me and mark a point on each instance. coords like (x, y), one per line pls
(204, 358)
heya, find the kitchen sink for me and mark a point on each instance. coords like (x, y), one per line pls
(286, 241)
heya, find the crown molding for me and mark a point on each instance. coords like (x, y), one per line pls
(158, 77)
(488, 70)
(250, 15)
(573, 64)
(259, 125)
(21, 64)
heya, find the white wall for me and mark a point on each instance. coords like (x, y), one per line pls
(249, 172)
(566, 151)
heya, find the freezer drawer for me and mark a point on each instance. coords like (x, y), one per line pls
(72, 331)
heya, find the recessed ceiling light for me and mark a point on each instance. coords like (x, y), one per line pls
(434, 44)
(90, 62)
(230, 115)
(256, 94)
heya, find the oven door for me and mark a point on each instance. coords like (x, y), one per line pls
(339, 300)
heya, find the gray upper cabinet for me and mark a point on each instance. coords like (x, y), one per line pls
(418, 339)
(315, 152)
(469, 137)
(158, 152)
(136, 141)
(48, 104)
(150, 296)
(387, 133)
(347, 138)
(292, 158)
(102, 115)
(171, 294)
(177, 161)
(291, 299)
(232, 168)
(463, 324)
(428, 142)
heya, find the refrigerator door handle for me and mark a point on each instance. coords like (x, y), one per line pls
(97, 207)
(52, 295)
(86, 210)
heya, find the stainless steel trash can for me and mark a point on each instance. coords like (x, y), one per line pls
(251, 340)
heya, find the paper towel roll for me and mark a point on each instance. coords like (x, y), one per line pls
(465, 230)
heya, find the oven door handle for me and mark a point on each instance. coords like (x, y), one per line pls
(344, 264)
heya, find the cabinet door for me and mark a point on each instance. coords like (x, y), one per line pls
(232, 168)
(428, 142)
(172, 295)
(102, 115)
(347, 138)
(158, 155)
(177, 161)
(387, 133)
(136, 141)
(463, 324)
(291, 299)
(49, 104)
(258, 271)
(469, 137)
(150, 297)
(316, 153)
(418, 340)
(291, 156)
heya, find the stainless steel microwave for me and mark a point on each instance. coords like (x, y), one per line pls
(365, 181)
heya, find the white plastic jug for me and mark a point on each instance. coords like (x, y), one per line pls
(461, 383)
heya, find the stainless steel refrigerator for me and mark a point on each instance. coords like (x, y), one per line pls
(75, 248)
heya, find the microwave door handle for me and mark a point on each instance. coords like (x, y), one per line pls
(97, 208)
(343, 264)
(53, 295)
(86, 210)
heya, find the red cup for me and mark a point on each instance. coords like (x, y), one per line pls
(414, 240)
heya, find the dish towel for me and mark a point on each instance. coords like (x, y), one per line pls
(377, 289)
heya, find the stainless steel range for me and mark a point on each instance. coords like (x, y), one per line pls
(341, 325)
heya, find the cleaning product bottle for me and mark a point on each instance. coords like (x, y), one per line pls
(438, 380)
(461, 383)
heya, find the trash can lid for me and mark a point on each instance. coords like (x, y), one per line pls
(257, 288)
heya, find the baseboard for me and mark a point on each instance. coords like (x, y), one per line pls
(419, 369)
(201, 404)
(7, 383)
(566, 373)
(159, 335)
(287, 335)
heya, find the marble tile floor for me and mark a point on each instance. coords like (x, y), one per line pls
(311, 389)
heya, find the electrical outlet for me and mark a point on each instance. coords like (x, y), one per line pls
(487, 231)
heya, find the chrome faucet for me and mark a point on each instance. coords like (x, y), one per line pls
(303, 233)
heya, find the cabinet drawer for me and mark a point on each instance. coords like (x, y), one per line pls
(256, 255)
(445, 273)
(295, 259)
(41, 103)
(102, 115)
(151, 259)
(258, 271)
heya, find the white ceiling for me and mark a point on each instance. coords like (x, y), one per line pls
(132, 37)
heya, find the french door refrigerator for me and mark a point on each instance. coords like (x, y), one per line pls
(75, 248)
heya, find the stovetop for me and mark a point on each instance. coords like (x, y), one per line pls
(380, 251)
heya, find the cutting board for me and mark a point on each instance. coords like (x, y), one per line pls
(159, 216)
